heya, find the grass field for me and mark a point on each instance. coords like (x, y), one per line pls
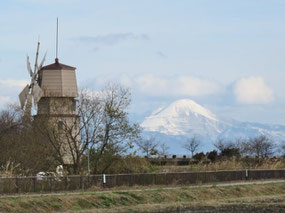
(228, 164)
(251, 198)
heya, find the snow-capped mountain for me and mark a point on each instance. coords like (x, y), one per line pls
(185, 118)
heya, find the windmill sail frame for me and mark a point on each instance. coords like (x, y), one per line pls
(24, 95)
(32, 93)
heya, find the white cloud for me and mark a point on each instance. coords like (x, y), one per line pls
(253, 90)
(161, 86)
(5, 100)
(183, 85)
(13, 83)
(10, 89)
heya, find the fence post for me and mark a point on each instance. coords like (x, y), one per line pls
(246, 174)
(65, 182)
(80, 179)
(50, 183)
(17, 185)
(104, 180)
(88, 181)
(34, 181)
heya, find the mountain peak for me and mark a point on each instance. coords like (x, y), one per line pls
(187, 107)
(185, 118)
(180, 117)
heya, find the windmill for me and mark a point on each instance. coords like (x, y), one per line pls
(53, 89)
(32, 92)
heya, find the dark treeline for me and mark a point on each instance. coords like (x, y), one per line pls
(100, 144)
(258, 152)
(256, 147)
(103, 142)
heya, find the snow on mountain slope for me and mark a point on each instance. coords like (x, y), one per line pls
(185, 107)
(185, 118)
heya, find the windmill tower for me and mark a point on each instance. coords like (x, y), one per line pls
(53, 89)
(58, 104)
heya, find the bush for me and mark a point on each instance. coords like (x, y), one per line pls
(130, 164)
(213, 155)
(230, 152)
(173, 156)
(199, 156)
(183, 162)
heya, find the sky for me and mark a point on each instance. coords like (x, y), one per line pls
(226, 55)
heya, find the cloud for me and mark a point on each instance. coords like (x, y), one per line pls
(112, 38)
(183, 85)
(160, 86)
(5, 100)
(13, 83)
(10, 89)
(253, 90)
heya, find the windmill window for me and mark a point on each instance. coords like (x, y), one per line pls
(74, 105)
(60, 125)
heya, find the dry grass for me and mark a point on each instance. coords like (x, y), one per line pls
(139, 201)
(227, 165)
(9, 169)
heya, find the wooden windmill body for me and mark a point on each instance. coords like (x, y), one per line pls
(59, 86)
(58, 105)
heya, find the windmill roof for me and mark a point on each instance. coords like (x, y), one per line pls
(58, 66)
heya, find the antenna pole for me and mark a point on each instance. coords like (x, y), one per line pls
(56, 38)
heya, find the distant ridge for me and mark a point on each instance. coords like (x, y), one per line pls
(186, 118)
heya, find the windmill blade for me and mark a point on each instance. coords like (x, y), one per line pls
(28, 108)
(23, 96)
(43, 61)
(36, 60)
(37, 93)
(29, 66)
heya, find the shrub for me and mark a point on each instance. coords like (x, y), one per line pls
(199, 156)
(183, 162)
(130, 164)
(230, 152)
(213, 155)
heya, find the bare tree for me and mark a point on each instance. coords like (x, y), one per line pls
(10, 127)
(241, 145)
(148, 146)
(102, 126)
(192, 144)
(261, 146)
(116, 133)
(10, 118)
(220, 144)
(282, 148)
(20, 144)
(163, 149)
